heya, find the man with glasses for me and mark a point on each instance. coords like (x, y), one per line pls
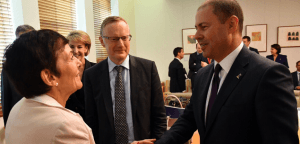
(124, 100)
(296, 76)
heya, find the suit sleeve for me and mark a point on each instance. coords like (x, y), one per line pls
(73, 132)
(91, 118)
(276, 107)
(181, 76)
(158, 112)
(286, 62)
(183, 129)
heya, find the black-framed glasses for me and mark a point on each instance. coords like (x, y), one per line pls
(114, 39)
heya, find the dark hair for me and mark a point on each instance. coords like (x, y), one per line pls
(28, 56)
(23, 29)
(297, 63)
(176, 51)
(277, 47)
(224, 9)
(247, 37)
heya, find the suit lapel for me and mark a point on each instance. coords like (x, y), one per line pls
(234, 76)
(134, 84)
(105, 91)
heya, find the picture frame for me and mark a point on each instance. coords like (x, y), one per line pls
(288, 36)
(188, 40)
(258, 35)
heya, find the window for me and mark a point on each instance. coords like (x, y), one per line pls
(58, 15)
(101, 9)
(6, 29)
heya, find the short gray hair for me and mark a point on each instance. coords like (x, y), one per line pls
(23, 29)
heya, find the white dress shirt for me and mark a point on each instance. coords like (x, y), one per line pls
(226, 64)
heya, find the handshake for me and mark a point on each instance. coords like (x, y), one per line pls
(145, 141)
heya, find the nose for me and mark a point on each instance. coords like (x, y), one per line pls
(199, 36)
(120, 42)
(76, 50)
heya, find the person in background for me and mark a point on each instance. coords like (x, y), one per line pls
(9, 95)
(296, 76)
(276, 56)
(177, 73)
(196, 62)
(43, 69)
(123, 95)
(80, 43)
(247, 40)
(243, 98)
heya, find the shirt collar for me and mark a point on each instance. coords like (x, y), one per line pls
(177, 58)
(227, 62)
(298, 72)
(111, 65)
(46, 99)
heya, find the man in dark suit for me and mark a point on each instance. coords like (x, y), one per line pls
(246, 40)
(243, 98)
(296, 77)
(124, 100)
(196, 62)
(177, 73)
(9, 95)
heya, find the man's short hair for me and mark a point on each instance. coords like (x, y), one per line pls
(23, 29)
(277, 47)
(176, 51)
(224, 9)
(108, 20)
(297, 62)
(247, 37)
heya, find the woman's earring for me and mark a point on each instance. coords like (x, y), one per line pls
(56, 84)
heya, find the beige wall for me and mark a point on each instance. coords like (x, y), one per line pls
(158, 24)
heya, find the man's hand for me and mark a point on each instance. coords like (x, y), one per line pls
(145, 141)
(298, 87)
(203, 64)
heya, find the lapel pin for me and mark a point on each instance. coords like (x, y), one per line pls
(238, 76)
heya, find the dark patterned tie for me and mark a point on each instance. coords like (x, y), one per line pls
(214, 88)
(121, 129)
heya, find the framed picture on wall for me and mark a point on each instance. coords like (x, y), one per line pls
(288, 36)
(258, 35)
(188, 40)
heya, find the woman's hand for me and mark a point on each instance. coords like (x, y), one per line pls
(145, 141)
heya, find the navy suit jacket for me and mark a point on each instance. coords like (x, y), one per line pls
(280, 59)
(258, 107)
(148, 111)
(254, 49)
(295, 79)
(177, 76)
(193, 65)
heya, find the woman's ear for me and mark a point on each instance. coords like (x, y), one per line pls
(48, 78)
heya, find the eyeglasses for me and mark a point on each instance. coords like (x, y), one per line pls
(115, 39)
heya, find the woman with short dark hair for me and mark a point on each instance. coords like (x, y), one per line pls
(275, 50)
(43, 69)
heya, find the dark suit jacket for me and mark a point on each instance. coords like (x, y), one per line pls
(259, 107)
(254, 49)
(295, 79)
(148, 111)
(177, 76)
(9, 95)
(76, 100)
(192, 61)
(280, 59)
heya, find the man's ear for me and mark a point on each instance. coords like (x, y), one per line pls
(233, 24)
(48, 78)
(102, 42)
